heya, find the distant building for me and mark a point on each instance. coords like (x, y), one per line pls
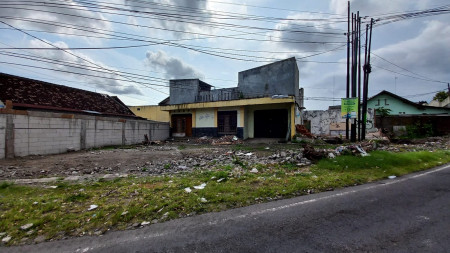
(151, 112)
(266, 104)
(402, 106)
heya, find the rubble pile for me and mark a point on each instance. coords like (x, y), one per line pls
(169, 158)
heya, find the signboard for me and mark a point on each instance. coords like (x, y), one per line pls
(349, 108)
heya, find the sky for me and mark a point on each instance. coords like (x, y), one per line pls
(132, 48)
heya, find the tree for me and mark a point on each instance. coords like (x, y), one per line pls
(382, 112)
(440, 96)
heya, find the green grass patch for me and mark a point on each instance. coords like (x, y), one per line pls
(62, 212)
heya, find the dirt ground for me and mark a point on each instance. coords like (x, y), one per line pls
(167, 158)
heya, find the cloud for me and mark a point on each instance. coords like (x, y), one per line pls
(372, 7)
(304, 28)
(424, 53)
(48, 14)
(106, 81)
(175, 15)
(174, 68)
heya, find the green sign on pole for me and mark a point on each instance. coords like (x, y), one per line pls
(349, 108)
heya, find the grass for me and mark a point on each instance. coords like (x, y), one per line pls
(62, 212)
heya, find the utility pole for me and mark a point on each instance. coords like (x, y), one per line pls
(348, 65)
(359, 77)
(367, 69)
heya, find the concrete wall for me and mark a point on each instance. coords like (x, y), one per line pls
(330, 122)
(183, 91)
(279, 78)
(2, 137)
(42, 133)
(151, 112)
(205, 118)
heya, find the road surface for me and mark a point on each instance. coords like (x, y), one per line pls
(405, 214)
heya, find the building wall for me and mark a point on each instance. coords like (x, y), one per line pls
(330, 122)
(445, 103)
(183, 91)
(398, 107)
(42, 133)
(2, 137)
(151, 112)
(279, 78)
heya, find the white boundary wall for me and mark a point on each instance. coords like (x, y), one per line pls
(40, 133)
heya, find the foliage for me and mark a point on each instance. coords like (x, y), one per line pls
(383, 112)
(440, 96)
(419, 130)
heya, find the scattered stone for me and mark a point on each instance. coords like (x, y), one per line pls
(220, 180)
(30, 232)
(331, 156)
(39, 239)
(6, 239)
(200, 187)
(188, 189)
(92, 207)
(26, 226)
(35, 203)
(203, 200)
(254, 170)
(124, 213)
(145, 223)
(2, 234)
(392, 177)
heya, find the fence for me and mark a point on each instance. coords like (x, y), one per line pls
(25, 133)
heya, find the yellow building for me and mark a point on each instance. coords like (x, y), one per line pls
(151, 112)
(266, 104)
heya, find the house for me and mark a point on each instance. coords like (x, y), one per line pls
(265, 104)
(38, 118)
(151, 112)
(402, 106)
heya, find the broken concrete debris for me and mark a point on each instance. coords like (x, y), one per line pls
(200, 187)
(92, 207)
(26, 226)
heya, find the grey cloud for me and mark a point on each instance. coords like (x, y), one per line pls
(427, 53)
(372, 7)
(177, 9)
(107, 83)
(174, 68)
(47, 12)
(322, 35)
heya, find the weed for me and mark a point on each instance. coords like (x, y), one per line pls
(5, 185)
(63, 212)
(167, 166)
(181, 147)
(79, 197)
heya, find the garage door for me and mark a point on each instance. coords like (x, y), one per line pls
(271, 123)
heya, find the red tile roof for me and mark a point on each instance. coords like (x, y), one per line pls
(29, 93)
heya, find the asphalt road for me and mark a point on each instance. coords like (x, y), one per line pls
(406, 214)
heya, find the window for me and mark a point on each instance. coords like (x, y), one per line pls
(385, 102)
(138, 109)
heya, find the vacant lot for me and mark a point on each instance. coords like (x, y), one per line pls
(156, 183)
